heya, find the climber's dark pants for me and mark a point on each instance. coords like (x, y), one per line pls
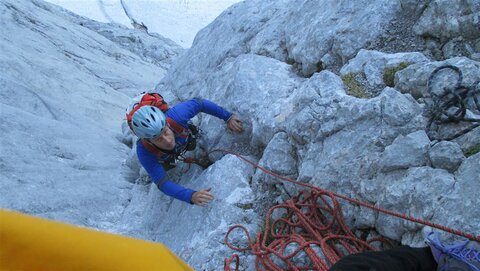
(403, 258)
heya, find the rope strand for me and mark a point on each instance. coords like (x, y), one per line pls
(313, 223)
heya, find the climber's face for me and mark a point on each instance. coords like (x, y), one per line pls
(166, 140)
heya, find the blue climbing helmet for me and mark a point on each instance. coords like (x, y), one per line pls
(148, 122)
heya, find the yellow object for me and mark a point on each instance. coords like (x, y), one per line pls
(30, 243)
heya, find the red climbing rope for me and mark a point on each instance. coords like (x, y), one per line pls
(187, 160)
(309, 232)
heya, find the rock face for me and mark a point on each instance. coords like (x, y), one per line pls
(405, 152)
(466, 213)
(63, 90)
(204, 228)
(419, 192)
(374, 66)
(414, 78)
(328, 36)
(279, 72)
(151, 48)
(279, 156)
(447, 155)
(451, 28)
(276, 64)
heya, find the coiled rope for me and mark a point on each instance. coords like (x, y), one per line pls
(450, 104)
(312, 225)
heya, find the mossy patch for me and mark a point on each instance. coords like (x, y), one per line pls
(473, 150)
(389, 73)
(353, 87)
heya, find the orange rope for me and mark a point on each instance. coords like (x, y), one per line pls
(311, 219)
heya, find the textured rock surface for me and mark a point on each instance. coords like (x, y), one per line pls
(373, 64)
(329, 35)
(371, 149)
(469, 140)
(447, 155)
(448, 19)
(280, 157)
(274, 63)
(406, 151)
(203, 229)
(63, 90)
(450, 28)
(460, 208)
(413, 79)
(152, 47)
(419, 193)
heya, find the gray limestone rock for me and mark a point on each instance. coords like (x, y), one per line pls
(258, 89)
(469, 140)
(399, 110)
(406, 151)
(450, 28)
(279, 157)
(61, 157)
(449, 19)
(373, 64)
(152, 47)
(413, 79)
(253, 60)
(419, 193)
(328, 37)
(446, 155)
(457, 47)
(460, 206)
(195, 233)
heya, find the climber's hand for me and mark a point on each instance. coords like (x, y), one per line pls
(235, 124)
(202, 197)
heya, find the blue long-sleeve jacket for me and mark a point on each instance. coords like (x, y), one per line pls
(181, 113)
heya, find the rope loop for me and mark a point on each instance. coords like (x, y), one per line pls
(228, 262)
(308, 231)
(249, 247)
(450, 104)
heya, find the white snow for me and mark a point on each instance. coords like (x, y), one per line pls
(178, 20)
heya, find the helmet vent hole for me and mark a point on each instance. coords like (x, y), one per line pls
(144, 124)
(153, 117)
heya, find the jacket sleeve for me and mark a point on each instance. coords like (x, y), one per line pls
(184, 111)
(159, 176)
(176, 191)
